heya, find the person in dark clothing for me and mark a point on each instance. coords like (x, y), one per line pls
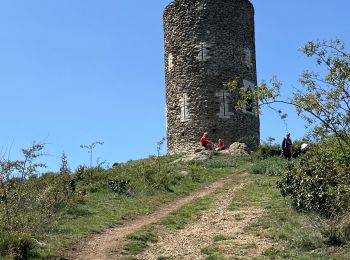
(287, 146)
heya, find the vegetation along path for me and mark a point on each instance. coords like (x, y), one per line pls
(218, 224)
(107, 245)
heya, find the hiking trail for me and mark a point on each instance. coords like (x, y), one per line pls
(179, 244)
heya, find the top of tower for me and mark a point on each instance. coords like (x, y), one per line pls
(188, 1)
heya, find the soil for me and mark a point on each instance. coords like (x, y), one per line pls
(186, 243)
(227, 226)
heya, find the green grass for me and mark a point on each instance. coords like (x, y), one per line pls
(219, 237)
(180, 218)
(103, 209)
(140, 240)
(212, 253)
(275, 166)
(293, 234)
(193, 210)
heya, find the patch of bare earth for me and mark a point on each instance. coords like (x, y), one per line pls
(218, 222)
(108, 244)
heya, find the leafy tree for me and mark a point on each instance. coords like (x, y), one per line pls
(319, 181)
(324, 97)
(14, 200)
(64, 167)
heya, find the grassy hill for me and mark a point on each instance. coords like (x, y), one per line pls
(56, 210)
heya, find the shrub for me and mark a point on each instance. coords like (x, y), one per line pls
(15, 245)
(320, 180)
(270, 166)
(268, 150)
(121, 187)
(344, 227)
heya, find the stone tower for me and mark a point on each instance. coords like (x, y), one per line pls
(208, 43)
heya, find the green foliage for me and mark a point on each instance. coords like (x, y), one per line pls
(268, 150)
(326, 97)
(251, 141)
(209, 250)
(28, 203)
(323, 99)
(121, 186)
(320, 180)
(294, 235)
(15, 245)
(60, 207)
(31, 205)
(64, 168)
(270, 166)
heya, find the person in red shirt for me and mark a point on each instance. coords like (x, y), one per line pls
(220, 146)
(205, 142)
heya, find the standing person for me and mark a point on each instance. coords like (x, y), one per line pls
(287, 146)
(220, 146)
(205, 142)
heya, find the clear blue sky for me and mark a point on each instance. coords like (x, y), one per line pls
(76, 71)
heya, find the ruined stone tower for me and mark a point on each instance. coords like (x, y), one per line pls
(208, 43)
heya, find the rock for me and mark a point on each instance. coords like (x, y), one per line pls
(196, 157)
(237, 149)
(184, 172)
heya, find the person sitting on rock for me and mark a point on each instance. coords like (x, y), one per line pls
(205, 142)
(220, 146)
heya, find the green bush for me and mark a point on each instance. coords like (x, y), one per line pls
(15, 245)
(120, 186)
(320, 180)
(270, 166)
(32, 205)
(268, 150)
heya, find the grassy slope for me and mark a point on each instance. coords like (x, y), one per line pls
(294, 235)
(104, 209)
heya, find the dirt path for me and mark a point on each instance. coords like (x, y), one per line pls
(218, 230)
(101, 246)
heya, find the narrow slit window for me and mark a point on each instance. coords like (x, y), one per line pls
(185, 116)
(249, 107)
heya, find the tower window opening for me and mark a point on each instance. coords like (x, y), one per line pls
(249, 106)
(224, 104)
(185, 116)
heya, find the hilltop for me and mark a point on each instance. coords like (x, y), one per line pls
(220, 208)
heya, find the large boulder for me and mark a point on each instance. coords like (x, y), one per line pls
(237, 149)
(194, 157)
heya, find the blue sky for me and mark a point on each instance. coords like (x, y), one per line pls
(76, 71)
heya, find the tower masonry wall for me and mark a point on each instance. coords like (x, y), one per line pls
(208, 43)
